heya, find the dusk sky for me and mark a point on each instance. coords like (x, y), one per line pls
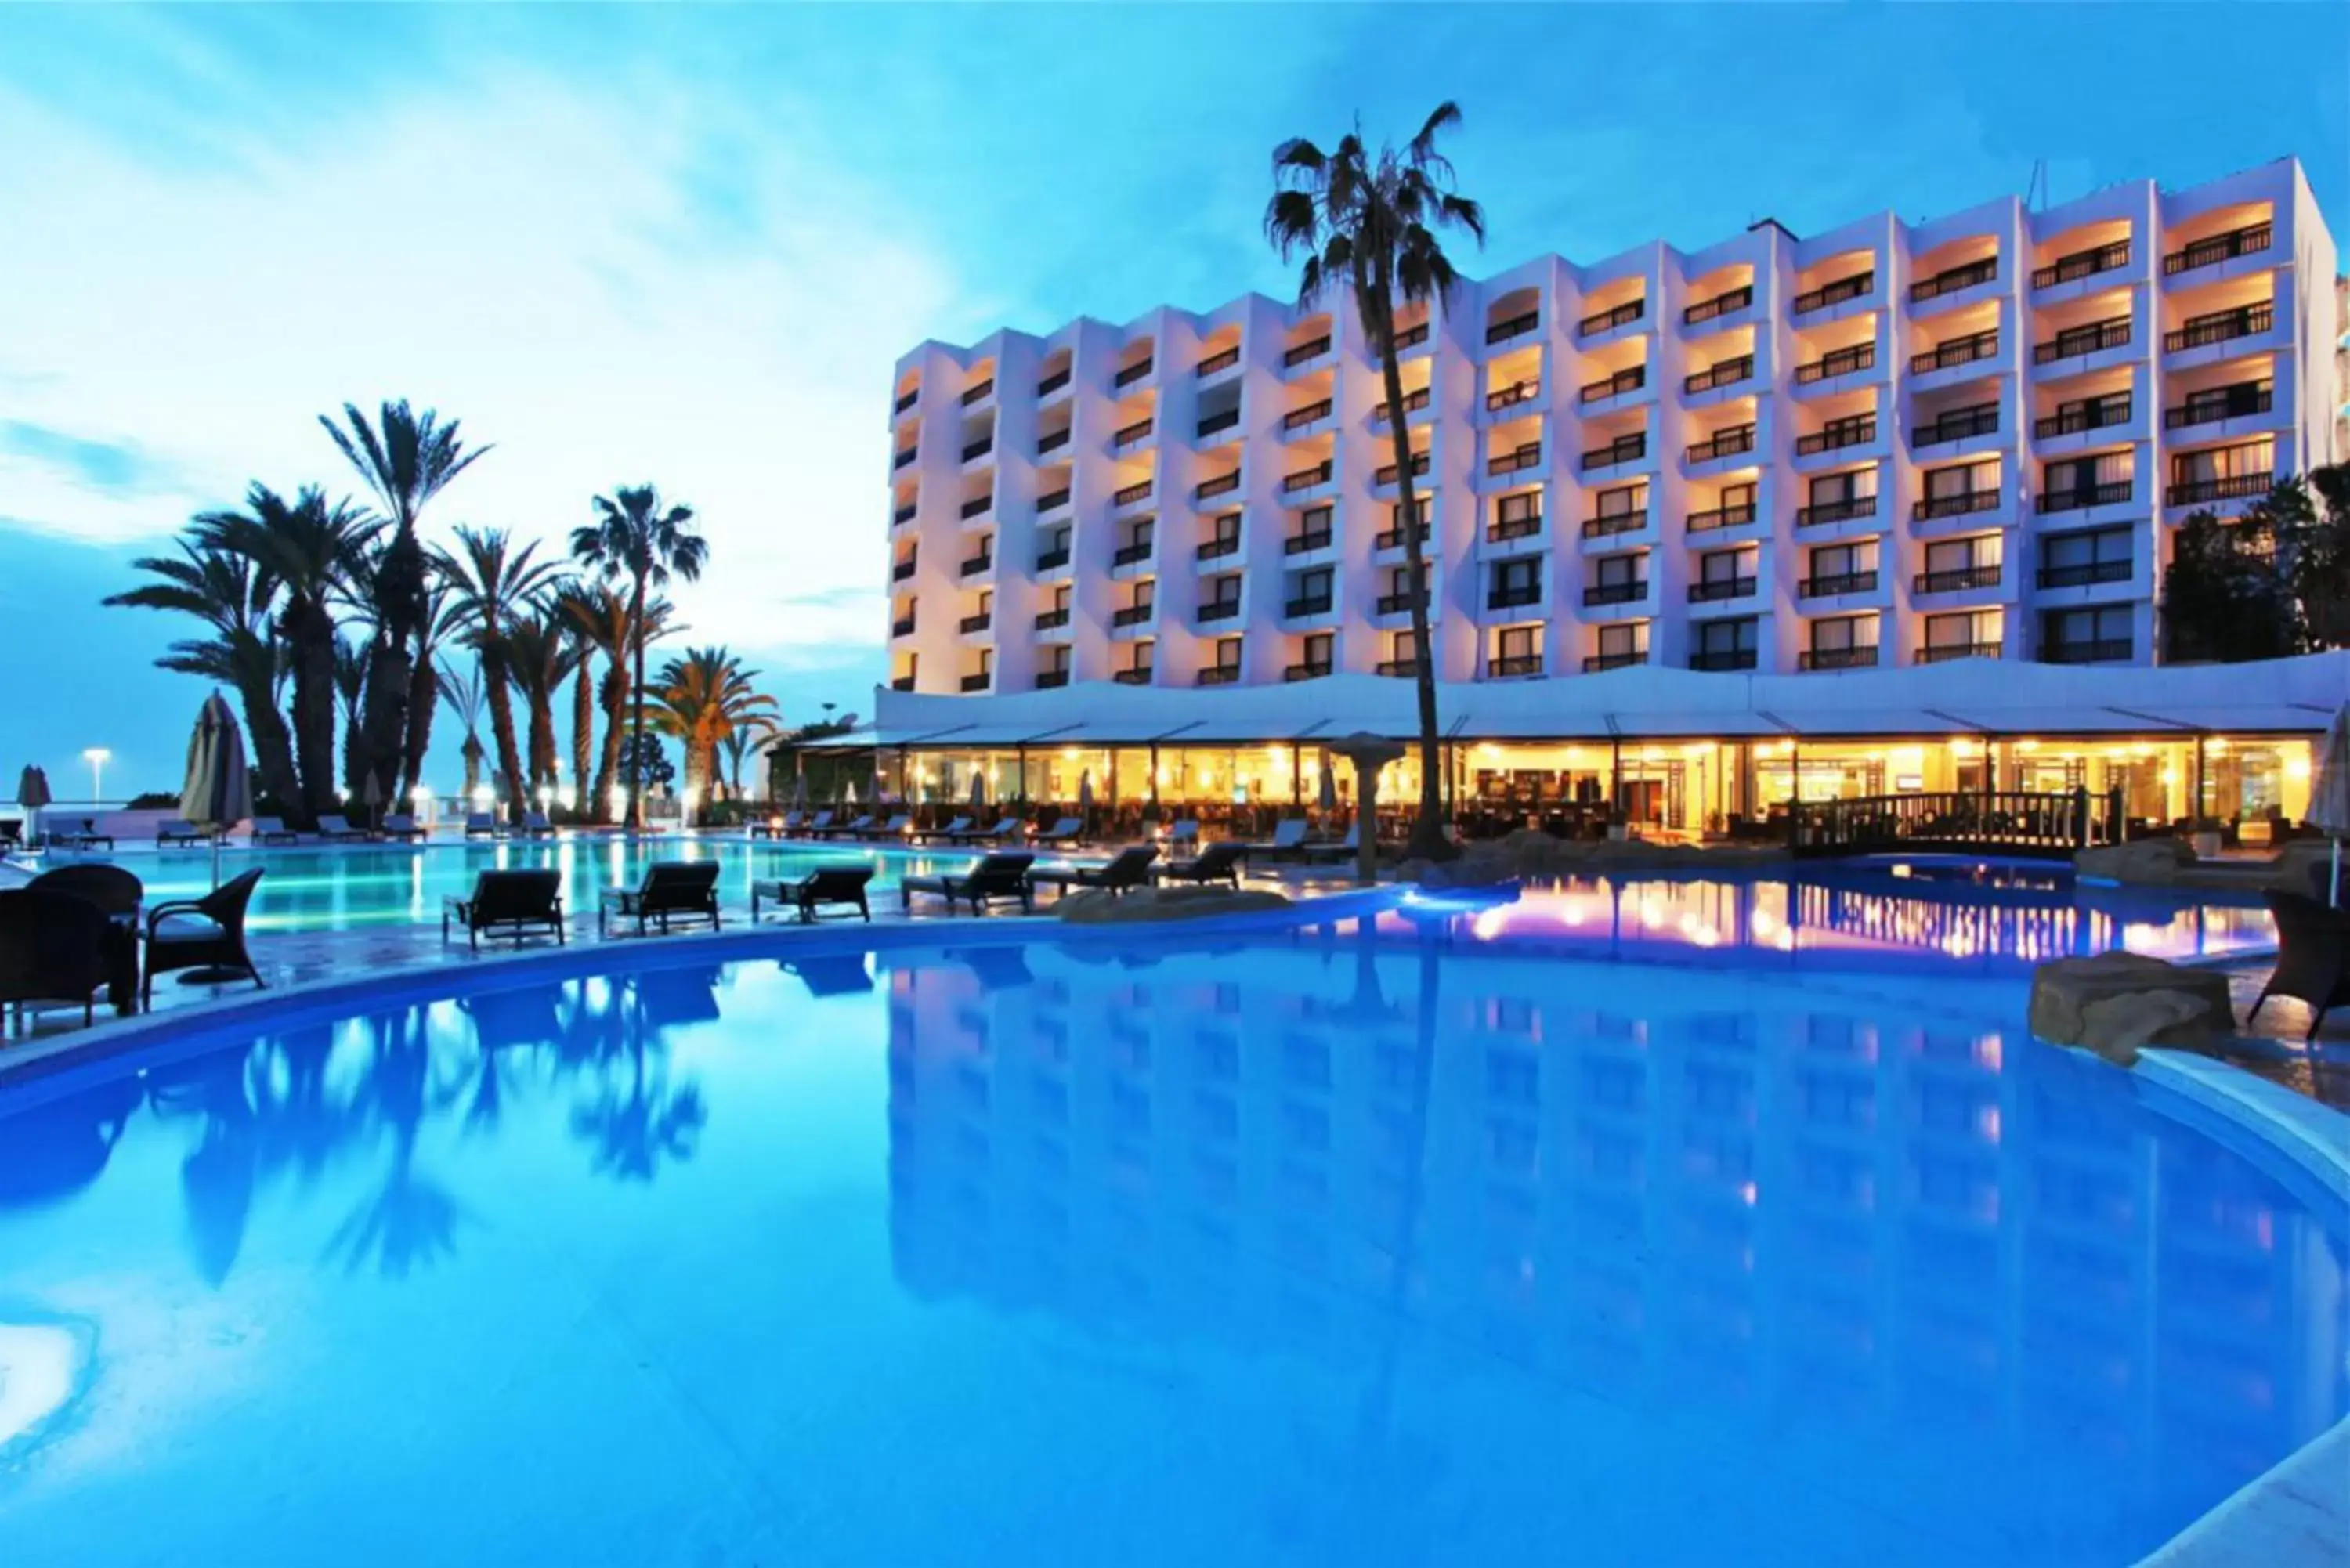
(686, 245)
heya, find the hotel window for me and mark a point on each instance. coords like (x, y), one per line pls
(1314, 587)
(1145, 656)
(987, 661)
(1628, 574)
(1844, 489)
(2255, 459)
(1843, 568)
(1726, 644)
(1517, 583)
(1057, 541)
(1224, 592)
(1738, 501)
(1515, 517)
(1518, 642)
(1623, 642)
(1396, 513)
(1228, 653)
(1061, 592)
(1139, 537)
(2084, 479)
(1948, 483)
(1314, 520)
(1956, 558)
(2082, 635)
(1399, 582)
(1145, 593)
(1318, 646)
(1954, 636)
(2091, 555)
(1723, 570)
(1056, 658)
(1227, 529)
(1623, 501)
(1841, 635)
(1403, 648)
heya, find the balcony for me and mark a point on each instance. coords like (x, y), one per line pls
(1514, 394)
(1131, 494)
(971, 623)
(977, 506)
(1837, 583)
(1048, 621)
(1222, 484)
(1503, 530)
(1609, 320)
(1223, 360)
(2083, 264)
(1046, 680)
(901, 684)
(979, 449)
(1052, 441)
(1722, 304)
(1393, 538)
(2244, 321)
(1133, 614)
(900, 571)
(2087, 574)
(1134, 675)
(1713, 590)
(1312, 413)
(2103, 650)
(902, 457)
(1631, 378)
(902, 626)
(1307, 478)
(979, 682)
(1956, 581)
(1312, 350)
(1837, 362)
(1722, 659)
(1401, 604)
(1942, 652)
(1412, 403)
(1729, 443)
(1527, 455)
(1053, 383)
(1837, 658)
(1513, 664)
(1951, 280)
(1957, 351)
(1131, 435)
(1616, 593)
(1130, 555)
(2086, 414)
(906, 400)
(1854, 430)
(2237, 487)
(1728, 373)
(2241, 401)
(1712, 517)
(903, 514)
(1514, 597)
(1411, 337)
(1052, 560)
(2216, 248)
(1623, 449)
(1217, 674)
(1837, 293)
(2075, 341)
(1052, 499)
(1132, 373)
(1956, 505)
(1312, 603)
(1957, 424)
(2083, 495)
(1824, 512)
(976, 564)
(1217, 609)
(1395, 667)
(1516, 326)
(1216, 549)
(1301, 543)
(1608, 524)
(973, 394)
(1215, 422)
(1388, 474)
(1311, 669)
(1593, 663)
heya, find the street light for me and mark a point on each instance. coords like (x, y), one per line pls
(97, 757)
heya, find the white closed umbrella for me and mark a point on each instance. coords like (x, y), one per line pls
(218, 789)
(2329, 795)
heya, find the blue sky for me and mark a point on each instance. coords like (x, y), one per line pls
(687, 244)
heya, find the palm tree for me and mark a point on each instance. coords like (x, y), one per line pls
(540, 656)
(576, 605)
(702, 699)
(461, 689)
(494, 582)
(234, 600)
(406, 459)
(637, 537)
(605, 621)
(350, 698)
(443, 622)
(1368, 220)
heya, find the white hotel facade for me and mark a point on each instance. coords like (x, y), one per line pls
(1892, 482)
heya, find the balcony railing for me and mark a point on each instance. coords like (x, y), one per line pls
(2074, 341)
(1052, 560)
(901, 684)
(1311, 604)
(1215, 422)
(976, 564)
(1513, 664)
(979, 682)
(1048, 621)
(1837, 293)
(1132, 373)
(2103, 651)
(1217, 674)
(1631, 378)
(1411, 337)
(1956, 505)
(1223, 360)
(1957, 424)
(903, 514)
(1129, 554)
(1388, 474)
(1616, 593)
(1395, 667)
(1607, 523)
(2085, 414)
(1859, 658)
(1514, 597)
(1133, 614)
(2080, 495)
(1852, 430)
(2083, 264)
(1722, 304)
(1623, 449)
(1298, 419)
(1516, 326)
(1736, 515)
(906, 400)
(979, 448)
(1307, 478)
(1049, 678)
(1131, 494)
(1412, 403)
(1311, 669)
(1516, 392)
(1728, 373)
(2244, 321)
(1728, 442)
(1053, 383)
(1301, 543)
(1504, 529)
(2218, 403)
(901, 571)
(1722, 659)
(1964, 350)
(1312, 350)
(1949, 280)
(1215, 549)
(2235, 487)
(1844, 511)
(1957, 580)
(1393, 538)
(1527, 455)
(1400, 604)
(1052, 441)
(1593, 663)
(1218, 610)
(1133, 675)
(978, 622)
(1838, 362)
(1829, 587)
(976, 505)
(1608, 320)
(1713, 590)
(1222, 484)
(2216, 248)
(1052, 498)
(1942, 652)
(973, 394)
(1129, 435)
(902, 626)
(902, 457)
(2088, 574)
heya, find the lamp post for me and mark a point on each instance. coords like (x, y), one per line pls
(97, 757)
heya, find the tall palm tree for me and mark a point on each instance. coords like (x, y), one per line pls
(576, 605)
(494, 582)
(461, 689)
(701, 699)
(350, 698)
(443, 622)
(406, 459)
(1368, 220)
(540, 656)
(605, 620)
(637, 537)
(309, 549)
(235, 600)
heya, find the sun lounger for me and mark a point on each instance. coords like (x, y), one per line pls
(336, 830)
(1288, 841)
(272, 830)
(1335, 849)
(1129, 867)
(176, 830)
(1216, 863)
(1066, 833)
(816, 826)
(672, 890)
(896, 827)
(844, 829)
(483, 824)
(1006, 827)
(507, 904)
(86, 836)
(1182, 839)
(778, 826)
(401, 825)
(951, 832)
(201, 933)
(536, 825)
(842, 886)
(994, 879)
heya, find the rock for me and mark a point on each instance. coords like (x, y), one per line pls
(2114, 1002)
(1478, 871)
(2144, 860)
(1095, 907)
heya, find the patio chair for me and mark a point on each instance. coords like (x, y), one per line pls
(509, 904)
(272, 830)
(2313, 962)
(1000, 878)
(897, 827)
(536, 825)
(1129, 867)
(336, 830)
(402, 827)
(483, 824)
(1183, 838)
(1335, 849)
(1216, 863)
(55, 947)
(176, 830)
(12, 832)
(670, 890)
(1068, 832)
(1288, 841)
(841, 885)
(951, 832)
(815, 826)
(201, 933)
(110, 887)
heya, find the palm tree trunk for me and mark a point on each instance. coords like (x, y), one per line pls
(314, 712)
(583, 720)
(637, 719)
(541, 737)
(273, 750)
(614, 693)
(383, 718)
(502, 727)
(1428, 840)
(424, 698)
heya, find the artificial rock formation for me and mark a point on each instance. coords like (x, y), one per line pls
(1096, 906)
(2116, 1003)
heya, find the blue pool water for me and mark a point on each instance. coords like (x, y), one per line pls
(1413, 1245)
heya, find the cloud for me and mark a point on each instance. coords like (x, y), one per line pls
(112, 467)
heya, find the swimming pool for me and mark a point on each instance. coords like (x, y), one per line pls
(1405, 1245)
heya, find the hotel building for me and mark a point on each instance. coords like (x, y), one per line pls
(1894, 483)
